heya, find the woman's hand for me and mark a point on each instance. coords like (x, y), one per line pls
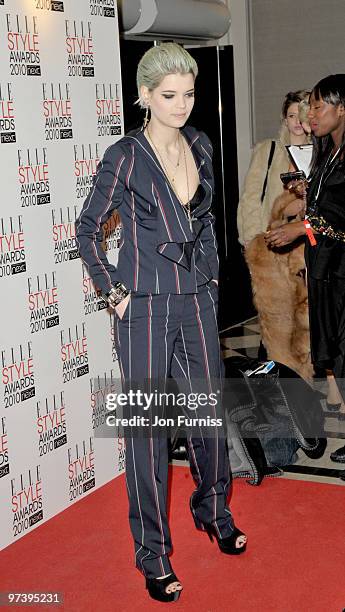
(298, 187)
(285, 234)
(121, 308)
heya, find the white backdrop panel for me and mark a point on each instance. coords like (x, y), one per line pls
(60, 107)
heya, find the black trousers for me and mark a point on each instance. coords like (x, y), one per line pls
(163, 336)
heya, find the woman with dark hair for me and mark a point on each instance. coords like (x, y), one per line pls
(324, 225)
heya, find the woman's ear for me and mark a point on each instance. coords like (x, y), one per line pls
(145, 95)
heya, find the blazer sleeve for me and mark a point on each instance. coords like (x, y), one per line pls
(208, 238)
(105, 196)
(249, 210)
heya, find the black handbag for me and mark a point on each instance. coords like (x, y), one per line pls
(271, 413)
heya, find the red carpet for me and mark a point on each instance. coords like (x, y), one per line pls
(294, 561)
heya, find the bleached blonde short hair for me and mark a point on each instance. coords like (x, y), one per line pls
(159, 61)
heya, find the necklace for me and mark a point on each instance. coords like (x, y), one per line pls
(171, 177)
(186, 206)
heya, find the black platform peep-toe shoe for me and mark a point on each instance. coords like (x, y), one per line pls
(227, 545)
(157, 588)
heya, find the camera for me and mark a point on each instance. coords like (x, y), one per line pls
(287, 177)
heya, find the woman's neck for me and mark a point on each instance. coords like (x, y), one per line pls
(298, 140)
(337, 140)
(164, 137)
(338, 135)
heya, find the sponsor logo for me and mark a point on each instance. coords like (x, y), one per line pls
(102, 8)
(12, 251)
(74, 353)
(43, 302)
(7, 114)
(86, 159)
(108, 109)
(121, 454)
(51, 424)
(49, 5)
(23, 45)
(27, 503)
(4, 462)
(65, 244)
(112, 232)
(93, 302)
(112, 338)
(57, 111)
(17, 374)
(33, 177)
(99, 389)
(79, 47)
(81, 469)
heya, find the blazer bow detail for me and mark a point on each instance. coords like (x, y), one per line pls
(175, 240)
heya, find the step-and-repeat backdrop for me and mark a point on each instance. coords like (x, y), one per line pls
(60, 107)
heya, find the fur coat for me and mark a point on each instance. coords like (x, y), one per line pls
(252, 214)
(280, 292)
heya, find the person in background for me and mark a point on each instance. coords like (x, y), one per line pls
(269, 159)
(278, 283)
(164, 292)
(324, 231)
(277, 276)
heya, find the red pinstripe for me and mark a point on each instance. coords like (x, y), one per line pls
(149, 374)
(202, 336)
(161, 207)
(110, 195)
(135, 243)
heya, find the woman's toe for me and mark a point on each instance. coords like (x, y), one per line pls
(241, 541)
(174, 586)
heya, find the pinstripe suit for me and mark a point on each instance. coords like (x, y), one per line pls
(169, 328)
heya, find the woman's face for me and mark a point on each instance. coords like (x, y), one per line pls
(325, 118)
(172, 101)
(292, 120)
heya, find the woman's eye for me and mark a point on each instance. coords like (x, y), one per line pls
(190, 95)
(167, 96)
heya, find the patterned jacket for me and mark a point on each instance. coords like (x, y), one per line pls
(158, 252)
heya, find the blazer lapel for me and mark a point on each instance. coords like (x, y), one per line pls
(174, 238)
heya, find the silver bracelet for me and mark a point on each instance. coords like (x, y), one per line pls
(116, 294)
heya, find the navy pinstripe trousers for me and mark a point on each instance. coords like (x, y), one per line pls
(163, 336)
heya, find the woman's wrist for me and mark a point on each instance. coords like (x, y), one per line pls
(309, 231)
(300, 227)
(116, 295)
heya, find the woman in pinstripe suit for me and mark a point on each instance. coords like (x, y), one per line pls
(164, 293)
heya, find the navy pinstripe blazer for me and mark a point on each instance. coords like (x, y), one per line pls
(158, 252)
